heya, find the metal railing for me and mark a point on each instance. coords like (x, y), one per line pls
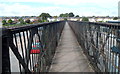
(100, 43)
(30, 48)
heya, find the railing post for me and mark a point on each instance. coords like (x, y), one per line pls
(5, 52)
(118, 44)
(0, 51)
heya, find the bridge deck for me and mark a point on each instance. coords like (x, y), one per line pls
(69, 56)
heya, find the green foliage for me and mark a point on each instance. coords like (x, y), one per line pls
(10, 21)
(64, 15)
(39, 20)
(71, 14)
(65, 19)
(55, 16)
(27, 21)
(115, 18)
(21, 21)
(4, 22)
(77, 16)
(100, 21)
(45, 16)
(6, 25)
(108, 16)
(67, 15)
(85, 19)
(61, 15)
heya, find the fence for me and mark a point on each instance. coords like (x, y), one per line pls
(30, 48)
(101, 44)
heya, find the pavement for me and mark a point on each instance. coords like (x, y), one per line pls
(69, 56)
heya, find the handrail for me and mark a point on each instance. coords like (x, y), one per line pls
(100, 43)
(116, 25)
(30, 48)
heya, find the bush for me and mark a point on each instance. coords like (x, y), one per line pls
(21, 21)
(115, 18)
(28, 21)
(85, 19)
(4, 22)
(65, 19)
(10, 21)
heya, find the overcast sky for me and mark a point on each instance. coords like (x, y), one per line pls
(56, 7)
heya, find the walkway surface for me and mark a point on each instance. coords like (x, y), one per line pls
(69, 56)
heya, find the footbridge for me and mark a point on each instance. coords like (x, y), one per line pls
(62, 46)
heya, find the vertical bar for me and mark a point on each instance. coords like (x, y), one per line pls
(104, 49)
(20, 33)
(25, 46)
(17, 47)
(118, 44)
(0, 51)
(27, 51)
(113, 52)
(108, 61)
(5, 52)
(30, 40)
(110, 65)
(115, 44)
(116, 59)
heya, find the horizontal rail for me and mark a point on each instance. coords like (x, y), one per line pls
(30, 48)
(100, 43)
(29, 26)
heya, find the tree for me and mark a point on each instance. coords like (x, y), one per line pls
(45, 16)
(71, 14)
(21, 21)
(55, 16)
(4, 22)
(65, 19)
(115, 18)
(40, 20)
(10, 21)
(64, 15)
(85, 19)
(61, 15)
(77, 16)
(108, 16)
(27, 21)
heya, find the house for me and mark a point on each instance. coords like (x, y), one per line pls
(50, 19)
